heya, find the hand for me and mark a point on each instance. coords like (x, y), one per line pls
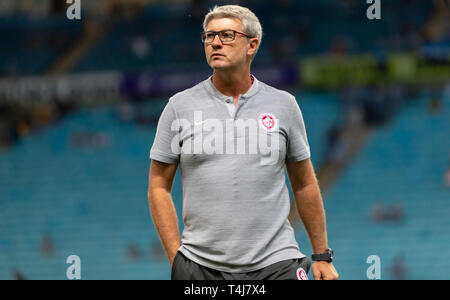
(323, 270)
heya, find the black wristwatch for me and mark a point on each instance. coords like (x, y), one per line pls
(327, 256)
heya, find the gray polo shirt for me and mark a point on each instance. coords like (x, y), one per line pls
(232, 161)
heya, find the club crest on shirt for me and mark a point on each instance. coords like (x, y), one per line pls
(301, 274)
(267, 121)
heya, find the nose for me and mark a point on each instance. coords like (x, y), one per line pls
(216, 43)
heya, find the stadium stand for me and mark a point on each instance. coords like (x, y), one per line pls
(402, 164)
(31, 44)
(167, 36)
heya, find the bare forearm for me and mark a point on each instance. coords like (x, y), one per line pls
(311, 211)
(165, 219)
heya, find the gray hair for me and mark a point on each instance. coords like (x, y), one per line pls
(250, 22)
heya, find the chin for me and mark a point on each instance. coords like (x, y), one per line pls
(218, 65)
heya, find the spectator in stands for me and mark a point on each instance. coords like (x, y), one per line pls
(435, 103)
(62, 107)
(13, 134)
(377, 105)
(340, 45)
(157, 251)
(411, 38)
(17, 275)
(377, 212)
(140, 46)
(395, 213)
(47, 245)
(447, 177)
(126, 112)
(8, 132)
(398, 267)
(392, 213)
(134, 252)
(41, 116)
(337, 145)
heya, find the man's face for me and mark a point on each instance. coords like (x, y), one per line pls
(227, 55)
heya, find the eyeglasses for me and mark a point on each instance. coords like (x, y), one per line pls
(225, 36)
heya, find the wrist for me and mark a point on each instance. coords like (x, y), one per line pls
(326, 256)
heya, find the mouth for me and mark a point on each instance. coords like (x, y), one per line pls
(216, 55)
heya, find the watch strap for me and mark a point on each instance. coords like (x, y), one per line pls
(326, 256)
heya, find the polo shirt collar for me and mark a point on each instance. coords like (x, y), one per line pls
(216, 93)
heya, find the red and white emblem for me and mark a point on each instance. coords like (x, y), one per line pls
(268, 121)
(301, 274)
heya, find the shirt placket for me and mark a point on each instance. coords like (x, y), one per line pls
(241, 101)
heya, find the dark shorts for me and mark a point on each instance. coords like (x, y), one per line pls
(292, 269)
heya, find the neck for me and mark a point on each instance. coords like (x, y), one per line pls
(232, 84)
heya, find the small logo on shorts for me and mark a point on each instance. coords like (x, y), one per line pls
(301, 274)
(267, 121)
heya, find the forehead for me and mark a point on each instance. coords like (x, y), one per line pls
(218, 24)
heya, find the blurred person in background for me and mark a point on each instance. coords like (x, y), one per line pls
(398, 267)
(18, 275)
(435, 103)
(235, 208)
(447, 176)
(47, 245)
(392, 213)
(134, 252)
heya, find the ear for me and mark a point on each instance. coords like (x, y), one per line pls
(252, 46)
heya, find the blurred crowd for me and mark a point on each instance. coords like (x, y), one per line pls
(282, 42)
(17, 122)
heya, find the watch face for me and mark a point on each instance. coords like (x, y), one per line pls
(331, 255)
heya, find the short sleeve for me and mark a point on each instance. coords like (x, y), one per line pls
(298, 147)
(166, 147)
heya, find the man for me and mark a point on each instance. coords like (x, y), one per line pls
(235, 200)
